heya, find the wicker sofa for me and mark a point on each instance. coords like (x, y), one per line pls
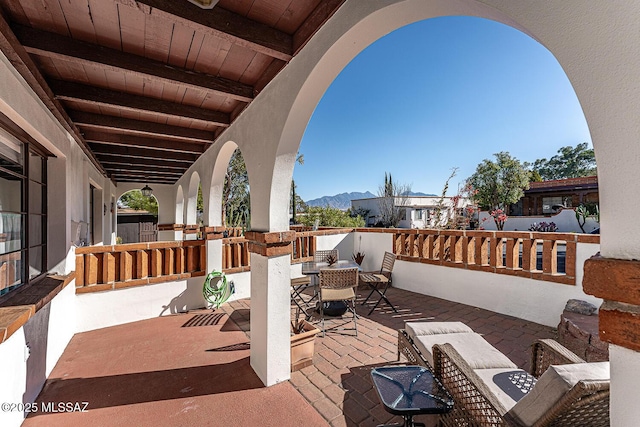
(489, 390)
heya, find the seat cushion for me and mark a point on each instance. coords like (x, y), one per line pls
(416, 329)
(506, 384)
(554, 383)
(337, 294)
(477, 352)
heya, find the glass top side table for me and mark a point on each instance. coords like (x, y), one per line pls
(409, 391)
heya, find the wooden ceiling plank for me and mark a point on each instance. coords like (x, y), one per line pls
(194, 52)
(107, 27)
(58, 47)
(117, 179)
(144, 171)
(132, 28)
(272, 70)
(142, 168)
(157, 38)
(94, 136)
(222, 24)
(144, 153)
(118, 160)
(139, 127)
(315, 21)
(180, 46)
(236, 63)
(78, 17)
(93, 95)
(23, 63)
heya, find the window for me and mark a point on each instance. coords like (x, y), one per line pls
(23, 217)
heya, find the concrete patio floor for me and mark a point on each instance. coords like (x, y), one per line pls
(193, 369)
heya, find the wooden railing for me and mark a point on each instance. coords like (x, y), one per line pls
(235, 255)
(101, 268)
(540, 256)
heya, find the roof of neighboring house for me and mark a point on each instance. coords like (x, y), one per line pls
(587, 182)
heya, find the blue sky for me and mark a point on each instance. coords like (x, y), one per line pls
(442, 93)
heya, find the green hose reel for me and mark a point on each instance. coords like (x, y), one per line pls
(216, 290)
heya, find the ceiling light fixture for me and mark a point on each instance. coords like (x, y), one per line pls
(205, 4)
(147, 191)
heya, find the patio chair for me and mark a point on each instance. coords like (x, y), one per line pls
(489, 390)
(321, 256)
(380, 281)
(339, 284)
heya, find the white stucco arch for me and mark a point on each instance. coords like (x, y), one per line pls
(179, 207)
(213, 207)
(192, 199)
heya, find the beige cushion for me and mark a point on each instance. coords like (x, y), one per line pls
(506, 384)
(337, 294)
(552, 385)
(477, 352)
(416, 329)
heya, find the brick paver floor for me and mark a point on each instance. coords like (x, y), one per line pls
(338, 384)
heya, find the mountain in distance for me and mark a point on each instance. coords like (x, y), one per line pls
(343, 200)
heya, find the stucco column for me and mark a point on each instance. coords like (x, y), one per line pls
(617, 281)
(270, 305)
(213, 237)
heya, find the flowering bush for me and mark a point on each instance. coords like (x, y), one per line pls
(543, 226)
(499, 217)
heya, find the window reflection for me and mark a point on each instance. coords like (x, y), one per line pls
(10, 268)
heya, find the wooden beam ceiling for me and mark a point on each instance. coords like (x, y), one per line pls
(223, 24)
(51, 45)
(100, 148)
(139, 127)
(136, 103)
(119, 160)
(143, 142)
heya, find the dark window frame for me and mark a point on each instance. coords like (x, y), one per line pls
(29, 147)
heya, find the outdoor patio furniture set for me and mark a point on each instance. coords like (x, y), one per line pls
(488, 389)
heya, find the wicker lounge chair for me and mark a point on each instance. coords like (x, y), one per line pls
(487, 392)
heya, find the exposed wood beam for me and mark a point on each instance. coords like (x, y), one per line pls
(139, 127)
(136, 103)
(55, 46)
(142, 180)
(143, 142)
(151, 174)
(141, 152)
(118, 160)
(23, 63)
(110, 166)
(221, 23)
(314, 22)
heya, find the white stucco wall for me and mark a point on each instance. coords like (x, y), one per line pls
(565, 220)
(103, 309)
(29, 355)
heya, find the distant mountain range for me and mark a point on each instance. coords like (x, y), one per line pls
(343, 200)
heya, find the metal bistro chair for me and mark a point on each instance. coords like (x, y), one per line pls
(380, 281)
(339, 284)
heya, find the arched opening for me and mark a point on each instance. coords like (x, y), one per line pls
(474, 87)
(179, 213)
(191, 216)
(137, 218)
(229, 199)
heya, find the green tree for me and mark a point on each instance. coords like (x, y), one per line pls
(392, 198)
(236, 201)
(570, 162)
(499, 184)
(330, 217)
(297, 204)
(135, 200)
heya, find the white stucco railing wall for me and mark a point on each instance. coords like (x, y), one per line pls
(533, 300)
